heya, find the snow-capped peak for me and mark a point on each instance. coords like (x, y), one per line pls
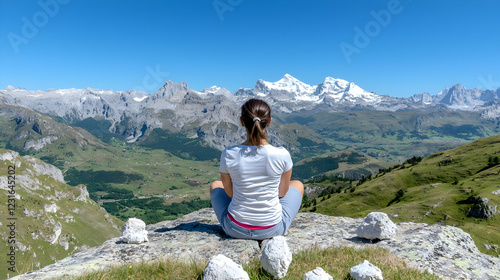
(333, 85)
(13, 88)
(211, 90)
(215, 90)
(339, 89)
(290, 84)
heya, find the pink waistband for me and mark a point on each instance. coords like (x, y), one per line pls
(247, 226)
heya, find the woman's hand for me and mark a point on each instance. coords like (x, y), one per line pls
(227, 183)
(285, 182)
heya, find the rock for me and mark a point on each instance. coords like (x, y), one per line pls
(8, 156)
(366, 271)
(493, 247)
(134, 231)
(51, 208)
(317, 274)
(376, 225)
(221, 267)
(84, 194)
(480, 207)
(276, 257)
(448, 251)
(42, 168)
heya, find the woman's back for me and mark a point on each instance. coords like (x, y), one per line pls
(255, 173)
(256, 197)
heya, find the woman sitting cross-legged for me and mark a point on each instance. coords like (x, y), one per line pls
(255, 198)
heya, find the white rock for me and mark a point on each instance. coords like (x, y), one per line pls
(134, 231)
(377, 225)
(366, 271)
(221, 267)
(51, 208)
(10, 155)
(57, 233)
(276, 257)
(43, 168)
(317, 274)
(84, 194)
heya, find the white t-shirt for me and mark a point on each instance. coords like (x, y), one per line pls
(256, 174)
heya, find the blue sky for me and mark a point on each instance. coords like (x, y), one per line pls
(390, 47)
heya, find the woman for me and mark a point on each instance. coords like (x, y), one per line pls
(255, 198)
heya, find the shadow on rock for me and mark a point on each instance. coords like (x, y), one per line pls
(361, 240)
(197, 227)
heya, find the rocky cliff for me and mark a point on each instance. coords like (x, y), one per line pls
(446, 251)
(43, 218)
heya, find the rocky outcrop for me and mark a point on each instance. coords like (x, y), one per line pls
(446, 251)
(53, 220)
(481, 208)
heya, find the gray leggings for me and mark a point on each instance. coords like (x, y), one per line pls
(290, 204)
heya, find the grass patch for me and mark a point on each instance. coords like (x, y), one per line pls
(335, 261)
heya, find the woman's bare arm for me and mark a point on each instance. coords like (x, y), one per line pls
(227, 183)
(285, 182)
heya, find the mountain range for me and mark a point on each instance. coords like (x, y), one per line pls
(211, 116)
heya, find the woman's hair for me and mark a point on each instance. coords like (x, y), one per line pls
(256, 115)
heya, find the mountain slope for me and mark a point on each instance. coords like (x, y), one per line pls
(24, 130)
(395, 136)
(346, 164)
(437, 189)
(52, 220)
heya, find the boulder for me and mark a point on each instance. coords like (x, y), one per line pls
(317, 274)
(366, 271)
(376, 226)
(134, 231)
(276, 257)
(221, 267)
(482, 209)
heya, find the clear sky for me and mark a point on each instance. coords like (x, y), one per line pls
(390, 47)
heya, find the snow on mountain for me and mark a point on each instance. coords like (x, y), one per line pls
(140, 99)
(215, 90)
(290, 94)
(176, 106)
(341, 90)
(291, 85)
